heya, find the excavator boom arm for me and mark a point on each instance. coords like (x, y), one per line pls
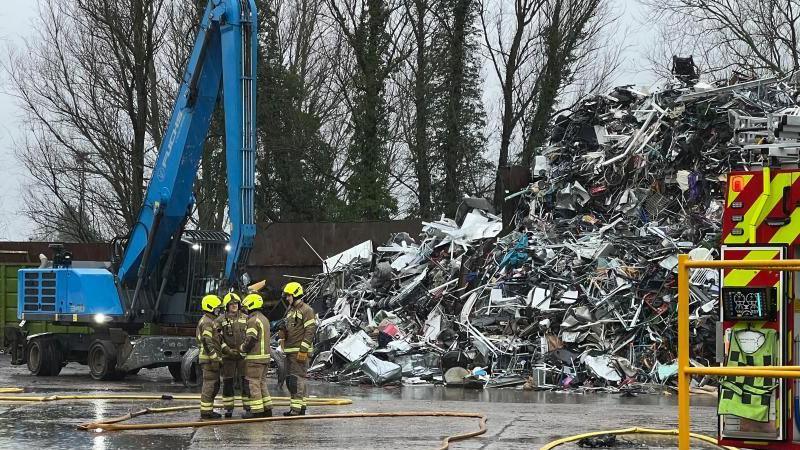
(223, 61)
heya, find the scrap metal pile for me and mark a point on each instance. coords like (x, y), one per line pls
(581, 292)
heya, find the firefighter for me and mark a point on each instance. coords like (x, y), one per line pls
(208, 340)
(296, 337)
(256, 351)
(231, 325)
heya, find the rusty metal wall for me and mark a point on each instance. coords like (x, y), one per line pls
(513, 179)
(279, 248)
(281, 244)
(28, 252)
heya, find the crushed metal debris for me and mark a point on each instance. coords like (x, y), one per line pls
(581, 293)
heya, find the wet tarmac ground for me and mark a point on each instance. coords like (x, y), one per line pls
(516, 419)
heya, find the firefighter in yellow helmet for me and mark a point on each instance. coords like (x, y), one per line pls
(208, 340)
(296, 337)
(231, 324)
(256, 351)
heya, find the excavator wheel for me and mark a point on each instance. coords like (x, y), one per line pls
(191, 373)
(102, 361)
(44, 357)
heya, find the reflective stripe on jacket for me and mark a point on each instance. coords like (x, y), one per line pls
(208, 339)
(257, 330)
(300, 324)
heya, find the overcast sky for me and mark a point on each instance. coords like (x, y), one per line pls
(16, 23)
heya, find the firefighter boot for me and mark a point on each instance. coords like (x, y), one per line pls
(210, 415)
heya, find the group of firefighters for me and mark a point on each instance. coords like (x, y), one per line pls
(234, 340)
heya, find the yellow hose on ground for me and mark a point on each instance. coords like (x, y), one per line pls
(312, 401)
(113, 424)
(634, 430)
(11, 390)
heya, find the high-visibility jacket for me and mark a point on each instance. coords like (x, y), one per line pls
(749, 397)
(208, 339)
(298, 330)
(232, 330)
(256, 343)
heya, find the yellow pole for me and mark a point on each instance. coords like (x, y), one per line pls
(683, 353)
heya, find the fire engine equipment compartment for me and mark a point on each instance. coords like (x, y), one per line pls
(761, 221)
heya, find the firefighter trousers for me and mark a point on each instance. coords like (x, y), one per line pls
(255, 387)
(210, 386)
(232, 378)
(296, 381)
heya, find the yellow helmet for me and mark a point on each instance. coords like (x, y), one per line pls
(252, 301)
(210, 302)
(294, 289)
(230, 296)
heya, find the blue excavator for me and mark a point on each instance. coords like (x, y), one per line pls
(139, 309)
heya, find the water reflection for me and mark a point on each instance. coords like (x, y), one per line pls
(100, 409)
(99, 442)
(506, 395)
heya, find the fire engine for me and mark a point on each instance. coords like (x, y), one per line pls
(758, 308)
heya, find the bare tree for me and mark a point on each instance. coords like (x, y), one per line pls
(181, 23)
(540, 51)
(512, 47)
(416, 102)
(757, 36)
(569, 41)
(86, 88)
(514, 51)
(58, 198)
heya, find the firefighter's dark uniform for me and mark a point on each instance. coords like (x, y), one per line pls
(300, 324)
(210, 361)
(256, 346)
(232, 329)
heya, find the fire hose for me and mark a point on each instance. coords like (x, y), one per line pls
(627, 431)
(115, 424)
(280, 401)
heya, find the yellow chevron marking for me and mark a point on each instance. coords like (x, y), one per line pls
(788, 233)
(751, 217)
(742, 277)
(761, 202)
(780, 181)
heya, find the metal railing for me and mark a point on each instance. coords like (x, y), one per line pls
(685, 371)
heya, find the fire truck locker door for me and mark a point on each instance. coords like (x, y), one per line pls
(752, 312)
(779, 221)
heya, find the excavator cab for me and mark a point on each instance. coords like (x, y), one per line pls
(197, 268)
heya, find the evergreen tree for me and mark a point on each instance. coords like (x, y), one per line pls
(368, 196)
(295, 164)
(461, 118)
